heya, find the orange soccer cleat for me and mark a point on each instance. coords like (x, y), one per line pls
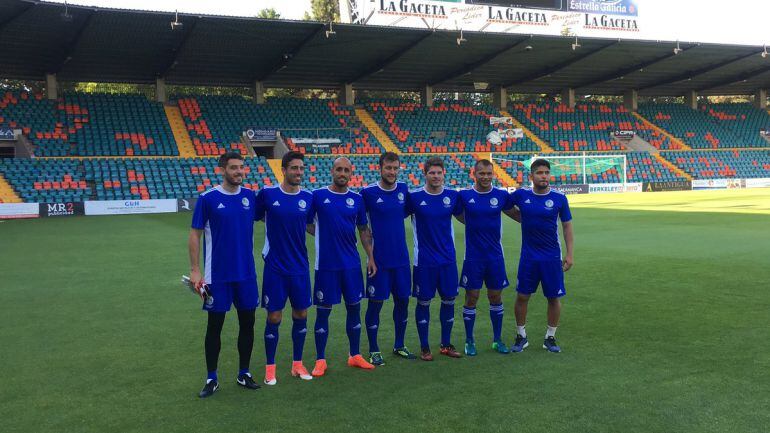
(320, 368)
(299, 370)
(270, 375)
(358, 361)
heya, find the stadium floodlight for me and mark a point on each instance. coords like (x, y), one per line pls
(65, 16)
(677, 50)
(331, 31)
(176, 24)
(576, 44)
(461, 39)
(764, 52)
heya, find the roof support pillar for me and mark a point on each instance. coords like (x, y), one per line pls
(500, 97)
(426, 96)
(631, 100)
(51, 86)
(760, 99)
(160, 90)
(568, 97)
(345, 95)
(691, 99)
(259, 93)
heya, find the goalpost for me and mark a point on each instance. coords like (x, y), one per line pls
(582, 166)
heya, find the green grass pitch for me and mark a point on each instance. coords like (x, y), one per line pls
(664, 330)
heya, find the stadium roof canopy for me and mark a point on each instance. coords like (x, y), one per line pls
(113, 45)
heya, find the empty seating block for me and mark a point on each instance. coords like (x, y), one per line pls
(46, 180)
(445, 127)
(84, 124)
(216, 124)
(722, 164)
(700, 129)
(585, 127)
(743, 120)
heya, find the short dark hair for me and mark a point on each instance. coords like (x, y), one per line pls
(227, 157)
(485, 162)
(433, 161)
(289, 156)
(539, 162)
(388, 157)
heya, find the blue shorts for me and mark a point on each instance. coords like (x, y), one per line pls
(243, 294)
(490, 273)
(428, 279)
(390, 280)
(276, 288)
(331, 286)
(548, 273)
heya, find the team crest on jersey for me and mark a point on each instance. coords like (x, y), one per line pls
(302, 204)
(245, 203)
(447, 201)
(549, 203)
(493, 202)
(349, 201)
(400, 196)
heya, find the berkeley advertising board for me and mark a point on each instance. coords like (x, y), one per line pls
(127, 207)
(583, 17)
(601, 188)
(61, 209)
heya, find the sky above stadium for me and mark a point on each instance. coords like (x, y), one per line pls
(736, 22)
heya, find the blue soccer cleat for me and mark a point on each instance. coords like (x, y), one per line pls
(550, 345)
(470, 348)
(520, 344)
(500, 347)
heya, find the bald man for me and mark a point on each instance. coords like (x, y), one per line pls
(337, 212)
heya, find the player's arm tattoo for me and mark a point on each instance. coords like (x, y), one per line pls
(514, 214)
(365, 233)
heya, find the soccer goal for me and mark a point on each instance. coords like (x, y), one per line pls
(584, 168)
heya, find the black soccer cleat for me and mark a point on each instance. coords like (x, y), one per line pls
(246, 381)
(209, 389)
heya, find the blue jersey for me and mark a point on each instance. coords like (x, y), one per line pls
(336, 218)
(286, 218)
(539, 225)
(227, 221)
(434, 235)
(483, 224)
(386, 210)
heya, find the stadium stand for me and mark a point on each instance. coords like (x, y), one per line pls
(446, 127)
(743, 120)
(90, 124)
(706, 128)
(722, 164)
(57, 180)
(586, 127)
(216, 124)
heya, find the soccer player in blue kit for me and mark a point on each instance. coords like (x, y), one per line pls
(337, 213)
(484, 263)
(385, 204)
(541, 261)
(224, 218)
(286, 209)
(435, 264)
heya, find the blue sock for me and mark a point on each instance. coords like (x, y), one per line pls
(400, 317)
(373, 324)
(496, 314)
(298, 333)
(469, 318)
(447, 316)
(212, 375)
(321, 330)
(271, 341)
(422, 317)
(353, 328)
(243, 371)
